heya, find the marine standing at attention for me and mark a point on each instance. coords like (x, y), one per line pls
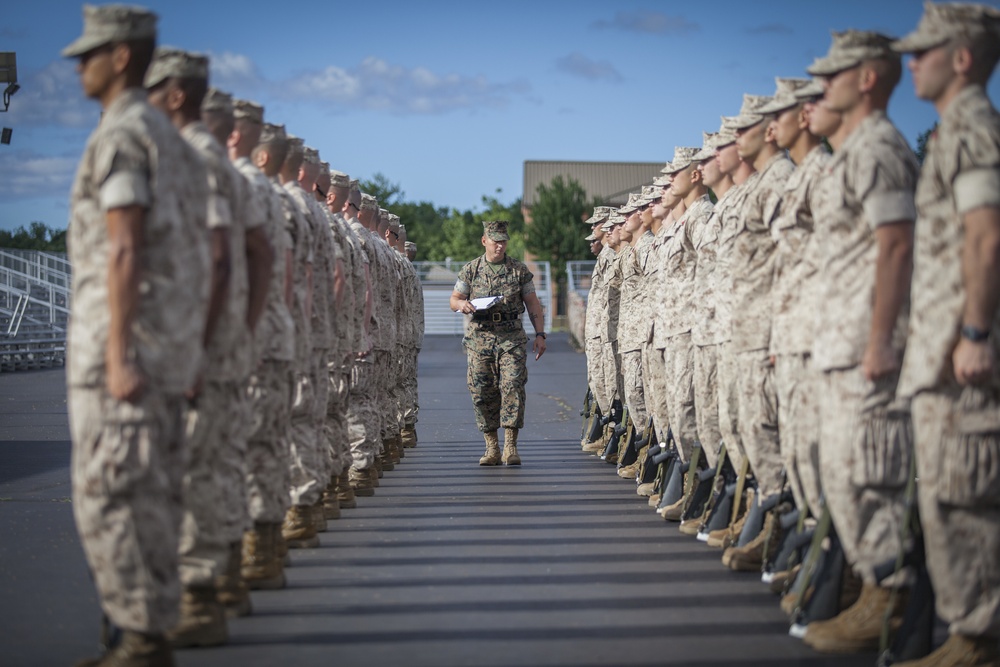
(495, 341)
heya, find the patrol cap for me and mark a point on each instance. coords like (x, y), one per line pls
(272, 133)
(726, 135)
(750, 113)
(633, 204)
(410, 245)
(216, 100)
(707, 151)
(496, 230)
(310, 155)
(111, 23)
(173, 63)
(247, 110)
(339, 179)
(355, 185)
(324, 169)
(650, 194)
(812, 91)
(614, 220)
(295, 143)
(591, 237)
(683, 158)
(382, 213)
(392, 219)
(664, 180)
(851, 48)
(600, 214)
(784, 95)
(368, 202)
(947, 21)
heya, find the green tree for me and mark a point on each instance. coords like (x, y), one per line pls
(385, 191)
(556, 233)
(922, 139)
(37, 236)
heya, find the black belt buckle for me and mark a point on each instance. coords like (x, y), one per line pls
(497, 317)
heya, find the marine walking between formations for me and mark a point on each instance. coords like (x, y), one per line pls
(791, 342)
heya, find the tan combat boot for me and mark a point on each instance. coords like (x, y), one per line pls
(385, 458)
(961, 651)
(397, 446)
(510, 457)
(408, 436)
(859, 627)
(492, 455)
(319, 516)
(202, 619)
(750, 557)
(299, 530)
(377, 467)
(232, 590)
(136, 649)
(629, 471)
(261, 566)
(331, 504)
(345, 494)
(360, 481)
(728, 536)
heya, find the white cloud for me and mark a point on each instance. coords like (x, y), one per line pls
(580, 65)
(52, 96)
(649, 22)
(235, 72)
(28, 174)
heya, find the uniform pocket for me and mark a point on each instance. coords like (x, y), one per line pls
(969, 467)
(125, 452)
(883, 447)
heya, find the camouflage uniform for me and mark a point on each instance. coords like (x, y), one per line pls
(361, 419)
(270, 387)
(497, 351)
(630, 327)
(348, 339)
(751, 272)
(128, 458)
(215, 506)
(410, 406)
(603, 346)
(874, 175)
(654, 370)
(793, 302)
(956, 429)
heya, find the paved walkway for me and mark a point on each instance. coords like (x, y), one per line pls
(554, 563)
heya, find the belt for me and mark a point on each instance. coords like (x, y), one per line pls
(495, 318)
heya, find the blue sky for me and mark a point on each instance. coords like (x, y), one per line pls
(448, 99)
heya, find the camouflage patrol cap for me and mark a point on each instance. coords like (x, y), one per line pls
(368, 202)
(784, 95)
(247, 110)
(663, 181)
(614, 220)
(410, 245)
(355, 185)
(339, 179)
(947, 21)
(295, 145)
(632, 205)
(599, 215)
(851, 48)
(812, 91)
(750, 112)
(650, 194)
(111, 23)
(683, 158)
(218, 101)
(324, 169)
(707, 151)
(726, 135)
(310, 155)
(272, 133)
(591, 237)
(496, 230)
(392, 219)
(172, 63)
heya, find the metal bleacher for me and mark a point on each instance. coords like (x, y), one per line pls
(34, 309)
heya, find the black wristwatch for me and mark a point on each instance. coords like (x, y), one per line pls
(542, 334)
(974, 334)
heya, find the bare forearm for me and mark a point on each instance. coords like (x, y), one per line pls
(981, 268)
(123, 295)
(338, 284)
(893, 271)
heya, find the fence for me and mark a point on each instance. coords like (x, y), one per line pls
(438, 281)
(34, 308)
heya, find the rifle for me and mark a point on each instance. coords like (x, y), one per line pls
(626, 450)
(817, 588)
(618, 431)
(718, 509)
(587, 413)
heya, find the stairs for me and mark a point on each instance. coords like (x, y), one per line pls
(34, 311)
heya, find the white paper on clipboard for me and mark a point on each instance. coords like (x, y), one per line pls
(484, 302)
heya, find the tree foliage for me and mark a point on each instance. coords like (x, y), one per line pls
(922, 139)
(556, 233)
(37, 236)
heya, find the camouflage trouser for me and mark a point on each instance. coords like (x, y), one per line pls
(729, 404)
(797, 384)
(654, 374)
(632, 380)
(678, 359)
(337, 438)
(410, 406)
(609, 365)
(385, 400)
(215, 500)
(127, 469)
(305, 483)
(758, 420)
(362, 428)
(270, 396)
(865, 497)
(320, 373)
(497, 375)
(706, 400)
(595, 373)
(957, 436)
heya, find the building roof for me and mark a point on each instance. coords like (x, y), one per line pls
(608, 181)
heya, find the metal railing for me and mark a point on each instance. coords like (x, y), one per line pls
(35, 286)
(578, 275)
(438, 281)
